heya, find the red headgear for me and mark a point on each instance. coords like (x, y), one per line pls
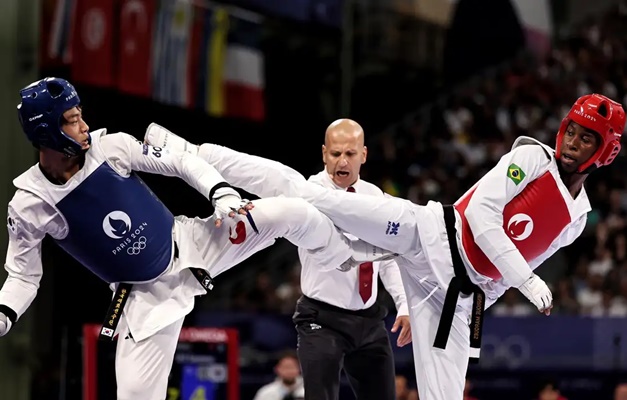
(601, 115)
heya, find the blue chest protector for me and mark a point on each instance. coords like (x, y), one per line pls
(118, 228)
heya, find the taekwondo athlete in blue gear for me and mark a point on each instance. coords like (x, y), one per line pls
(85, 195)
(88, 204)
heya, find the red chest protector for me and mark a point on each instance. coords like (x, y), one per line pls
(532, 220)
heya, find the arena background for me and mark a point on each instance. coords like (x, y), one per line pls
(441, 87)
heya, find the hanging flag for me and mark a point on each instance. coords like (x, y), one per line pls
(231, 83)
(216, 62)
(194, 56)
(56, 28)
(92, 43)
(171, 43)
(244, 80)
(210, 83)
(135, 21)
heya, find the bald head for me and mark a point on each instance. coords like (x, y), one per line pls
(343, 151)
(344, 129)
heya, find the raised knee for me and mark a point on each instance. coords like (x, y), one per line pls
(286, 217)
(287, 210)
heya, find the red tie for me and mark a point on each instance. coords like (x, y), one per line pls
(365, 272)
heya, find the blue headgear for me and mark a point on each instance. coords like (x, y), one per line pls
(41, 113)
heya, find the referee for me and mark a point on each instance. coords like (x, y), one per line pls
(339, 324)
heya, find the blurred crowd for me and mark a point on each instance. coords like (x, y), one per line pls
(443, 150)
(288, 385)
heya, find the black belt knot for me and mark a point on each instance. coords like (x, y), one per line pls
(107, 330)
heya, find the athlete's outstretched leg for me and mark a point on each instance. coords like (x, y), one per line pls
(389, 223)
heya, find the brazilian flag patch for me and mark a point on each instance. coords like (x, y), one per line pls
(515, 173)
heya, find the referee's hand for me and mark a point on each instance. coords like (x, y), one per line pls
(404, 337)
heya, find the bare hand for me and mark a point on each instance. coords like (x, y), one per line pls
(405, 336)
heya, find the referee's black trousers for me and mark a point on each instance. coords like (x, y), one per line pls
(331, 338)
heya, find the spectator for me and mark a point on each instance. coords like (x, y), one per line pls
(620, 393)
(549, 391)
(288, 384)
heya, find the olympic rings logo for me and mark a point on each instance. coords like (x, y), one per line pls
(510, 351)
(137, 247)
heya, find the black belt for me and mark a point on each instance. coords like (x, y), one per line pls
(460, 283)
(120, 297)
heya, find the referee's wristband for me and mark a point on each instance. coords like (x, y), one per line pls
(8, 311)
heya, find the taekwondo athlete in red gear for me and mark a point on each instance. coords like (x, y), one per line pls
(84, 194)
(531, 204)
